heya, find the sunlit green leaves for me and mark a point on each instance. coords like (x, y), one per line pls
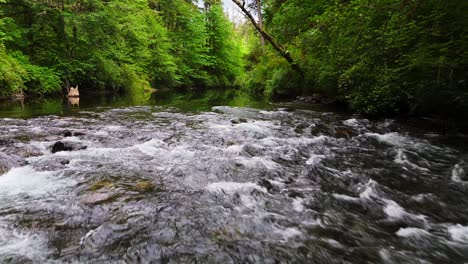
(379, 57)
(116, 45)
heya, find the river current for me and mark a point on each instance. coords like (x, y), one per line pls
(229, 184)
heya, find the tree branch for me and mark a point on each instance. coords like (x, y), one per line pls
(278, 47)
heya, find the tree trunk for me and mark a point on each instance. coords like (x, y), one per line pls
(280, 49)
(260, 21)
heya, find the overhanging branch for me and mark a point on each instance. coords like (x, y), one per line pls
(277, 46)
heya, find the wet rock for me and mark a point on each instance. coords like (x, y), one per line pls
(66, 146)
(22, 138)
(9, 162)
(6, 142)
(344, 133)
(314, 98)
(300, 128)
(65, 162)
(67, 133)
(3, 169)
(60, 225)
(295, 194)
(78, 134)
(60, 146)
(98, 198)
(26, 151)
(101, 184)
(290, 180)
(266, 184)
(239, 120)
(144, 186)
(17, 259)
(463, 172)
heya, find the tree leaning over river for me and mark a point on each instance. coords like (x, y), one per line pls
(379, 57)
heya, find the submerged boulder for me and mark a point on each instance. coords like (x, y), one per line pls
(98, 198)
(7, 162)
(144, 186)
(3, 169)
(238, 121)
(66, 146)
(67, 133)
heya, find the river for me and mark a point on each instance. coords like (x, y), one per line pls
(223, 178)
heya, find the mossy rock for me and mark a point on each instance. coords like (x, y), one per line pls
(23, 138)
(143, 186)
(3, 169)
(101, 184)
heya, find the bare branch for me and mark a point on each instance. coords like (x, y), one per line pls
(278, 47)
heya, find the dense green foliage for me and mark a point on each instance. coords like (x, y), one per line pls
(117, 45)
(380, 57)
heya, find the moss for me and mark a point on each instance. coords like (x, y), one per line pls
(101, 184)
(143, 186)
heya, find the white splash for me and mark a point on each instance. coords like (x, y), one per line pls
(31, 246)
(257, 162)
(394, 210)
(391, 138)
(234, 149)
(152, 147)
(457, 172)
(27, 180)
(402, 159)
(370, 190)
(287, 233)
(233, 187)
(412, 232)
(459, 233)
(353, 122)
(314, 159)
(345, 197)
(114, 128)
(298, 205)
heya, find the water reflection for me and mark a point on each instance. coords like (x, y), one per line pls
(184, 100)
(74, 101)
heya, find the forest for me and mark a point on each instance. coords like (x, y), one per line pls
(233, 131)
(378, 58)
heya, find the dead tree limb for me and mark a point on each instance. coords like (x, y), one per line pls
(277, 46)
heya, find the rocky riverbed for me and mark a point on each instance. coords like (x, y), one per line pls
(229, 185)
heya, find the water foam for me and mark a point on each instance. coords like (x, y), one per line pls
(314, 159)
(353, 122)
(393, 138)
(27, 180)
(459, 233)
(412, 232)
(233, 187)
(16, 243)
(457, 172)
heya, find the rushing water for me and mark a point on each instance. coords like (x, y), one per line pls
(188, 180)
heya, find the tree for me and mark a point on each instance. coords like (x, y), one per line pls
(278, 47)
(379, 57)
(223, 48)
